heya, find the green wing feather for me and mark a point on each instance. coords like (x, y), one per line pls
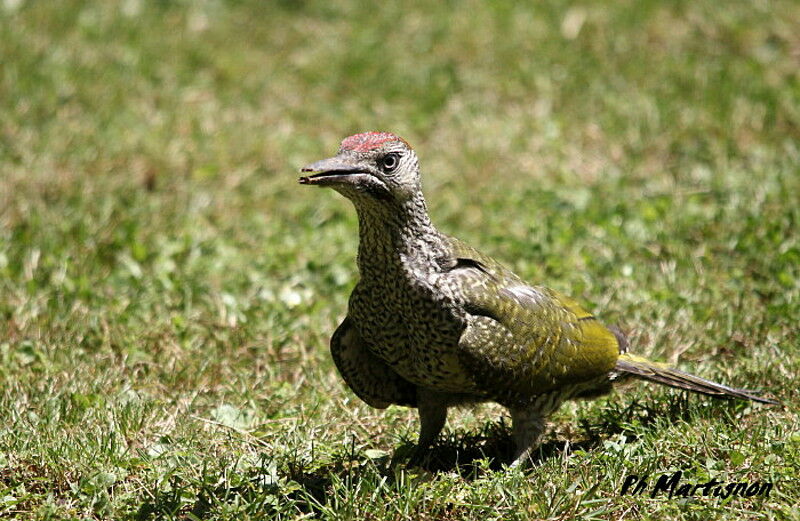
(532, 339)
(529, 337)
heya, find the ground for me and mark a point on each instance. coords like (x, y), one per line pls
(167, 290)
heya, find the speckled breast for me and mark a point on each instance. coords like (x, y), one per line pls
(415, 328)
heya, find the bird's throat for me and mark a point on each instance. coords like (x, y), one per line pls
(397, 235)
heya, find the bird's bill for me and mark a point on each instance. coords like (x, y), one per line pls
(332, 171)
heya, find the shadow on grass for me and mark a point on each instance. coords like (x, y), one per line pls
(462, 452)
(306, 487)
(471, 455)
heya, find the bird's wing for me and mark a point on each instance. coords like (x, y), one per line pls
(367, 375)
(527, 337)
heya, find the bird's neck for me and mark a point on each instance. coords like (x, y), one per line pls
(396, 235)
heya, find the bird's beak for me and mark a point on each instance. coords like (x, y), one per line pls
(331, 171)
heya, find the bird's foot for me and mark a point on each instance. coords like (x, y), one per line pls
(523, 460)
(419, 457)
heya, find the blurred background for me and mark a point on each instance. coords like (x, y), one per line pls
(167, 290)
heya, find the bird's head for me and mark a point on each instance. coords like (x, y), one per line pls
(372, 165)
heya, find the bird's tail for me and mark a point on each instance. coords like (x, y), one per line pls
(660, 373)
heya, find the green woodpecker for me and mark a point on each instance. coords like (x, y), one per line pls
(434, 323)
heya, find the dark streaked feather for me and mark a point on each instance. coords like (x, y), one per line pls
(658, 373)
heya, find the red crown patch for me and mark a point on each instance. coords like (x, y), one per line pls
(367, 141)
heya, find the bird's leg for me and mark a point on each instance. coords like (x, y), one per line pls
(528, 426)
(432, 416)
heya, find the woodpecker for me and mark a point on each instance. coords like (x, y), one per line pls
(433, 323)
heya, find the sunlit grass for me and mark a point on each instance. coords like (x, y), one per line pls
(167, 291)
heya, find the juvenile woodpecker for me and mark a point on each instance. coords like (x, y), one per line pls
(434, 323)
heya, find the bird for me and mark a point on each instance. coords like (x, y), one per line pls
(433, 323)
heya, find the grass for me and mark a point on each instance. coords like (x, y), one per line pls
(167, 291)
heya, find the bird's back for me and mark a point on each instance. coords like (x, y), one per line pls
(526, 340)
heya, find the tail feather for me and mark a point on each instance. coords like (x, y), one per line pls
(659, 373)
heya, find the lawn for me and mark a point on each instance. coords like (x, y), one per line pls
(168, 290)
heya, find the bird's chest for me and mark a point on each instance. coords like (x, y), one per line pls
(413, 325)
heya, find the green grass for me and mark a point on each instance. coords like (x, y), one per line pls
(167, 290)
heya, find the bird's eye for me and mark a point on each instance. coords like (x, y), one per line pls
(390, 161)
